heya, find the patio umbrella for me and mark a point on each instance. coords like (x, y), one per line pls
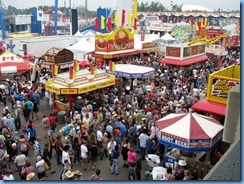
(190, 132)
(84, 64)
(28, 56)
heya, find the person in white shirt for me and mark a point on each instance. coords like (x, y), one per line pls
(40, 168)
(8, 175)
(143, 137)
(110, 148)
(84, 155)
(99, 139)
(65, 154)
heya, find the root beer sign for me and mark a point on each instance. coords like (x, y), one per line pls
(120, 39)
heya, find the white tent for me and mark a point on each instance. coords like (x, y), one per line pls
(230, 29)
(167, 37)
(82, 47)
(86, 33)
(151, 38)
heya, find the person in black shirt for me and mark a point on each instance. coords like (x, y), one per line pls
(131, 172)
(26, 113)
(46, 157)
(94, 154)
(138, 165)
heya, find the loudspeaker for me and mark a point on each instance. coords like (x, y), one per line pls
(74, 21)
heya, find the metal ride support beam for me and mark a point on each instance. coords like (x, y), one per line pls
(56, 17)
(2, 22)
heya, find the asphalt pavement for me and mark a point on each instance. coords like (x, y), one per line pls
(103, 165)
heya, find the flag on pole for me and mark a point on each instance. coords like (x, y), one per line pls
(54, 69)
(109, 25)
(223, 42)
(102, 22)
(93, 70)
(96, 24)
(231, 43)
(111, 66)
(130, 19)
(123, 18)
(72, 73)
(116, 18)
(76, 65)
(135, 24)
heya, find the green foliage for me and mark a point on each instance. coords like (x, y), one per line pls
(156, 6)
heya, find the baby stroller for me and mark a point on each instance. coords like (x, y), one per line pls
(152, 160)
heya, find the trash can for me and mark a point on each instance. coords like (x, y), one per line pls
(61, 117)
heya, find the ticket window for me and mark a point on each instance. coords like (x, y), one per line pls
(62, 98)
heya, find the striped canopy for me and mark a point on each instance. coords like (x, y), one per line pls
(189, 131)
(11, 63)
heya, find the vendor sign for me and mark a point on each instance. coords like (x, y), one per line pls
(200, 143)
(120, 39)
(173, 51)
(194, 50)
(221, 82)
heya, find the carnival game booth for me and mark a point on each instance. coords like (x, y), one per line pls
(117, 44)
(66, 86)
(58, 56)
(184, 55)
(219, 84)
(188, 132)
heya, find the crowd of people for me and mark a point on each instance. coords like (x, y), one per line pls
(121, 124)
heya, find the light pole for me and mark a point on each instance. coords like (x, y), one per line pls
(171, 4)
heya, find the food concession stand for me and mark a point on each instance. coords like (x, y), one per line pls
(64, 88)
(61, 57)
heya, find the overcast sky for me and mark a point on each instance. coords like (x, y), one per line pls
(94, 4)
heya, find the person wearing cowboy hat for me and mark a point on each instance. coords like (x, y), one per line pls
(182, 166)
(69, 175)
(30, 176)
(78, 175)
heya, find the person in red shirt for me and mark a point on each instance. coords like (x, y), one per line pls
(52, 122)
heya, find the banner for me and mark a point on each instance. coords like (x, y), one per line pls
(109, 25)
(93, 70)
(123, 18)
(116, 18)
(111, 66)
(54, 69)
(129, 19)
(96, 24)
(76, 65)
(102, 22)
(172, 52)
(72, 73)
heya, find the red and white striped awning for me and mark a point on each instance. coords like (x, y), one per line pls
(11, 63)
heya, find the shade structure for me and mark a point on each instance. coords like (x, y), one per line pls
(28, 56)
(11, 63)
(185, 62)
(84, 64)
(167, 37)
(190, 132)
(131, 71)
(213, 107)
